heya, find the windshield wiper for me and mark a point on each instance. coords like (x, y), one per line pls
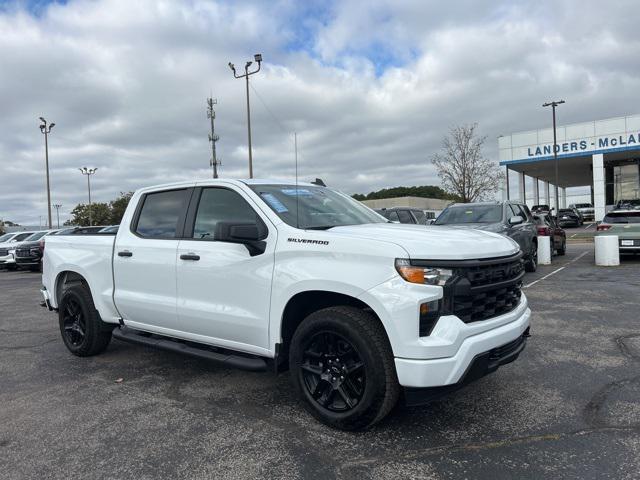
(320, 227)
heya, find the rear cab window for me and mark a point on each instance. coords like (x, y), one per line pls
(161, 214)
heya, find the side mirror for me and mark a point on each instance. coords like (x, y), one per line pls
(250, 234)
(516, 220)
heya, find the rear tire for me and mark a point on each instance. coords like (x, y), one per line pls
(83, 332)
(342, 368)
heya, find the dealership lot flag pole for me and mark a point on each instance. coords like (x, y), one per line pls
(88, 172)
(46, 130)
(553, 106)
(258, 58)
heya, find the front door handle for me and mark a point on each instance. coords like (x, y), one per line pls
(190, 256)
(125, 253)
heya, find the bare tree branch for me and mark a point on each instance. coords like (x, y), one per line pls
(462, 168)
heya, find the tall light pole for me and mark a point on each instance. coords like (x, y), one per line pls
(45, 128)
(258, 58)
(57, 206)
(88, 172)
(553, 106)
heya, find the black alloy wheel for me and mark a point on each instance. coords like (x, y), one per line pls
(75, 325)
(82, 330)
(332, 372)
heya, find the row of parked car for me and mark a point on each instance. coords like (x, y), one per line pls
(512, 219)
(24, 250)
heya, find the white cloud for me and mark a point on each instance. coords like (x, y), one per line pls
(371, 87)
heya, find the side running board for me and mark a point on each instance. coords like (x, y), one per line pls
(237, 360)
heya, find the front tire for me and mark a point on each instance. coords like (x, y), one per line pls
(83, 332)
(563, 249)
(531, 265)
(342, 368)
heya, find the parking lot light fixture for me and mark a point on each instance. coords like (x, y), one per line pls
(553, 106)
(258, 59)
(45, 129)
(88, 172)
(57, 206)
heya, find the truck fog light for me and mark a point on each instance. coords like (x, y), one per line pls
(429, 315)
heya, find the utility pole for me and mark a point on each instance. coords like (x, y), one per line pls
(46, 130)
(88, 172)
(57, 207)
(553, 106)
(258, 58)
(213, 138)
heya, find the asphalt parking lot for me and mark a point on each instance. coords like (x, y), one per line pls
(568, 408)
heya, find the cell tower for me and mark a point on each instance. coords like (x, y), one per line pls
(213, 137)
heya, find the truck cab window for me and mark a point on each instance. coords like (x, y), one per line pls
(405, 216)
(160, 213)
(220, 205)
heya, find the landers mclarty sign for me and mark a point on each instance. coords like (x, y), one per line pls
(600, 143)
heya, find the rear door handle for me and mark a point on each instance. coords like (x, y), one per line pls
(190, 256)
(125, 253)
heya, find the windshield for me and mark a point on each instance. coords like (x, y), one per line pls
(35, 236)
(470, 214)
(6, 237)
(622, 217)
(319, 208)
(583, 205)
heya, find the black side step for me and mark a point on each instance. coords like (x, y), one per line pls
(254, 364)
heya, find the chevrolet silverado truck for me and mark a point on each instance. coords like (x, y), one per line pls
(268, 275)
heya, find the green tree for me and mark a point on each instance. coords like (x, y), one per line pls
(100, 214)
(425, 191)
(118, 206)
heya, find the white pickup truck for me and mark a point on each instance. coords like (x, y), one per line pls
(266, 274)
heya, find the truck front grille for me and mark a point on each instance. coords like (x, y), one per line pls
(23, 252)
(4, 252)
(482, 289)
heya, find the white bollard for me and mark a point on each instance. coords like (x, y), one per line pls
(607, 251)
(544, 250)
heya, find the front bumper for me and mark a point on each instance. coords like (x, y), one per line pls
(482, 365)
(449, 370)
(27, 261)
(7, 259)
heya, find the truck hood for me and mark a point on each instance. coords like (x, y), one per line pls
(434, 243)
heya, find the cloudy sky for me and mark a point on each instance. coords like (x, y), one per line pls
(370, 86)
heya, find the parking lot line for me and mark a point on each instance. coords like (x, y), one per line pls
(557, 270)
(546, 276)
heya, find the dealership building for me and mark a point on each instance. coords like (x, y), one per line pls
(602, 154)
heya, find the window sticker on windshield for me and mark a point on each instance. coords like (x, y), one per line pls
(274, 203)
(303, 192)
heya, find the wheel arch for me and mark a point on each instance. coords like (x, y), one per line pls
(68, 277)
(304, 303)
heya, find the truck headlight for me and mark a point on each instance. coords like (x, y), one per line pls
(424, 275)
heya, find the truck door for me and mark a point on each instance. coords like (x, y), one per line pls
(144, 262)
(224, 290)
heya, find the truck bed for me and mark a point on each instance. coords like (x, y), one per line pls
(91, 256)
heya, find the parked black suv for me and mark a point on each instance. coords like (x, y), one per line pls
(511, 219)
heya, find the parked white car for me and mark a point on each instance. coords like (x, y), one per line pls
(8, 244)
(259, 274)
